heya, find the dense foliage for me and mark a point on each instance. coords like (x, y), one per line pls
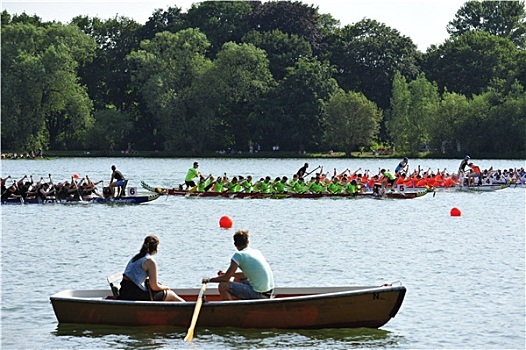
(233, 75)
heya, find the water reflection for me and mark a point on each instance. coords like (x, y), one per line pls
(319, 338)
(117, 336)
(229, 338)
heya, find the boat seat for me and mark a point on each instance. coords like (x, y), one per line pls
(112, 280)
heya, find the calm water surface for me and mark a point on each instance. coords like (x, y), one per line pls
(465, 275)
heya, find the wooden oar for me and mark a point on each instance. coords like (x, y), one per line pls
(198, 304)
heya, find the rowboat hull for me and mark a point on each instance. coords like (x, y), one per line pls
(97, 200)
(406, 194)
(291, 308)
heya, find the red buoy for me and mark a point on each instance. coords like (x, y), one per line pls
(226, 221)
(455, 212)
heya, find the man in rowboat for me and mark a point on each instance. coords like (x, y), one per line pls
(254, 281)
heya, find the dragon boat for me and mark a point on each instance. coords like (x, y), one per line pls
(400, 193)
(483, 188)
(97, 200)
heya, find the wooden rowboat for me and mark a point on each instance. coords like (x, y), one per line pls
(407, 193)
(98, 200)
(291, 308)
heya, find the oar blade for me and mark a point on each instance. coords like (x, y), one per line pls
(189, 335)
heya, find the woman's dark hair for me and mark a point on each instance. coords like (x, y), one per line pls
(148, 247)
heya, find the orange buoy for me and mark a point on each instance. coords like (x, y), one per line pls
(226, 221)
(455, 212)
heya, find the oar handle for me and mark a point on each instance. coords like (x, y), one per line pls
(198, 304)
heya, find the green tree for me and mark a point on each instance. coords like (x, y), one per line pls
(368, 54)
(398, 119)
(303, 94)
(239, 78)
(505, 19)
(473, 138)
(468, 64)
(446, 133)
(111, 129)
(411, 120)
(22, 18)
(495, 125)
(163, 70)
(352, 121)
(220, 21)
(283, 50)
(106, 76)
(291, 17)
(43, 103)
(507, 124)
(172, 20)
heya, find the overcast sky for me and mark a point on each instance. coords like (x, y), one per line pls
(424, 21)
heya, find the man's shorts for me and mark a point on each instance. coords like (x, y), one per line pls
(244, 291)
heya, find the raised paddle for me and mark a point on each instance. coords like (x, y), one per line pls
(198, 304)
(313, 170)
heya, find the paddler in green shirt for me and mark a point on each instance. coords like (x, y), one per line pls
(301, 186)
(191, 175)
(351, 187)
(202, 183)
(317, 186)
(291, 185)
(335, 187)
(247, 184)
(218, 185)
(265, 186)
(256, 187)
(234, 186)
(280, 185)
(388, 179)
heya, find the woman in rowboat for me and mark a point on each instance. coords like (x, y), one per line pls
(141, 267)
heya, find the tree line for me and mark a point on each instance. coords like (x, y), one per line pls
(230, 75)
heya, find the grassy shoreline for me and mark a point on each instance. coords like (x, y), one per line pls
(275, 154)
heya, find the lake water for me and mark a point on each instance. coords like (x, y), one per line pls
(465, 276)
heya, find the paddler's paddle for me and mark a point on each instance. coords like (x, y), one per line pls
(313, 170)
(198, 304)
(77, 187)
